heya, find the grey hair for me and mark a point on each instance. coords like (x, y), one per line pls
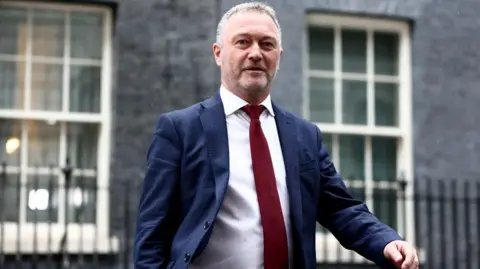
(245, 7)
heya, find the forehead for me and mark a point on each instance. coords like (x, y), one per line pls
(251, 23)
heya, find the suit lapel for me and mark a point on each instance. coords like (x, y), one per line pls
(212, 117)
(288, 139)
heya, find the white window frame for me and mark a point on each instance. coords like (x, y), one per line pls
(335, 252)
(82, 238)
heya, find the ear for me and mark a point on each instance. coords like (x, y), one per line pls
(217, 49)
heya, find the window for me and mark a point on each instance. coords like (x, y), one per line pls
(359, 94)
(54, 106)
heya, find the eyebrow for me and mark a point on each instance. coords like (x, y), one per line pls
(247, 35)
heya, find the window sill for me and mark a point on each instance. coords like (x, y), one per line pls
(47, 239)
(329, 251)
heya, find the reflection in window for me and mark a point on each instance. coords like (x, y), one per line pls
(42, 198)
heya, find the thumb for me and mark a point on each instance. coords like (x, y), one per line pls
(394, 254)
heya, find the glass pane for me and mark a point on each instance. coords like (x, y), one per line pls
(82, 200)
(12, 84)
(85, 85)
(43, 144)
(13, 31)
(10, 136)
(87, 33)
(46, 87)
(352, 156)
(385, 206)
(386, 53)
(354, 51)
(321, 100)
(354, 102)
(48, 33)
(42, 198)
(384, 157)
(82, 145)
(321, 44)
(386, 104)
(9, 197)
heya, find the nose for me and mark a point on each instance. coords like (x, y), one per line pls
(255, 53)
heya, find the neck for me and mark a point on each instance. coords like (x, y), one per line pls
(251, 97)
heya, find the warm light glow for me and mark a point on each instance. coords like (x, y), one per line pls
(77, 197)
(38, 199)
(12, 145)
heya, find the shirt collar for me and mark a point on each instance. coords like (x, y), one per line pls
(232, 103)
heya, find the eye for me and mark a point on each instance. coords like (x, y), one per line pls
(242, 42)
(269, 44)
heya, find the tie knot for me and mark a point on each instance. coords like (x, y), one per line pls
(253, 111)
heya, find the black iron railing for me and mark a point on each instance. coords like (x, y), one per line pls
(59, 218)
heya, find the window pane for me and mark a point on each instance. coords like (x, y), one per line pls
(9, 197)
(386, 53)
(321, 44)
(43, 144)
(384, 151)
(85, 85)
(82, 200)
(354, 102)
(13, 31)
(82, 145)
(386, 104)
(12, 84)
(46, 87)
(354, 51)
(86, 37)
(42, 198)
(10, 136)
(321, 100)
(352, 151)
(385, 206)
(48, 33)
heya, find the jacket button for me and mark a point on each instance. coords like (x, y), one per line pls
(206, 225)
(186, 257)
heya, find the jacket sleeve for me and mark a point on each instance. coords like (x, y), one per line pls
(349, 220)
(157, 210)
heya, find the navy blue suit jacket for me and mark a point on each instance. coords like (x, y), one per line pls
(187, 175)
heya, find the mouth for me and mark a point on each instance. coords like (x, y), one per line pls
(254, 69)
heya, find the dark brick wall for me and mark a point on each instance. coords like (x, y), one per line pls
(163, 61)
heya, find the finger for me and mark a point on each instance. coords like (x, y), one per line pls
(410, 257)
(395, 255)
(417, 262)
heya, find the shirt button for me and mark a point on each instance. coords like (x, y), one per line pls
(186, 258)
(206, 225)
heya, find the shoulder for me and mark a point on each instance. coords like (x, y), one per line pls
(303, 126)
(187, 116)
(183, 114)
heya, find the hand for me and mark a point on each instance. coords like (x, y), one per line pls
(402, 254)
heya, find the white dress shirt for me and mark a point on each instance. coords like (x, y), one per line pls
(237, 237)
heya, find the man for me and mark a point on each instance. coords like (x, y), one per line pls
(237, 182)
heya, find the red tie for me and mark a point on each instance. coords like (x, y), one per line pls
(274, 234)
